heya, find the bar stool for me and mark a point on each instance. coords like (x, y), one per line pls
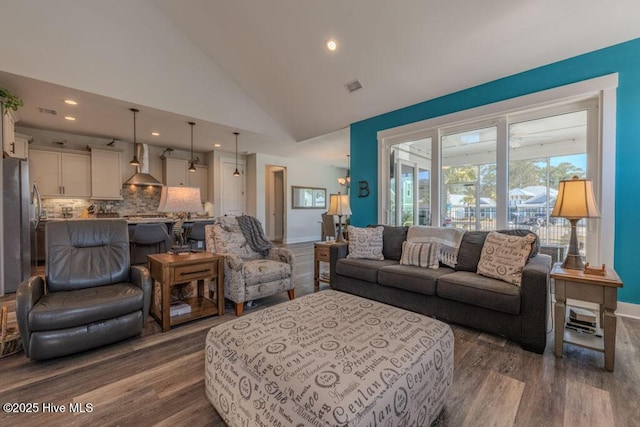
(196, 235)
(148, 239)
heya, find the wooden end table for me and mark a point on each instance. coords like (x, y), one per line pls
(602, 290)
(171, 270)
(321, 253)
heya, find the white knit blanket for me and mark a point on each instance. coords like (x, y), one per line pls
(448, 241)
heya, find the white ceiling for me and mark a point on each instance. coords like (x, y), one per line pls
(273, 52)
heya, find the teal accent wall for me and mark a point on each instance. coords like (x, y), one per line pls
(623, 59)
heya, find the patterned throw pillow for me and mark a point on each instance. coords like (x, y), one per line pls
(503, 257)
(365, 243)
(420, 254)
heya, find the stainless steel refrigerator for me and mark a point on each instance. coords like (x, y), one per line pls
(18, 215)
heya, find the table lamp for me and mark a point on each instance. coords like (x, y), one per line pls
(179, 201)
(339, 206)
(575, 201)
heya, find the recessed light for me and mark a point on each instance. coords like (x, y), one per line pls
(217, 145)
(155, 133)
(332, 45)
(70, 102)
(69, 118)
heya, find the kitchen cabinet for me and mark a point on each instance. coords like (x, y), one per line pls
(175, 173)
(60, 174)
(106, 178)
(20, 147)
(14, 144)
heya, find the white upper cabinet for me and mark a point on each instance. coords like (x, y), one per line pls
(106, 177)
(14, 144)
(60, 174)
(175, 173)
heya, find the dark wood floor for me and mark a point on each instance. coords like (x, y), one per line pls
(157, 378)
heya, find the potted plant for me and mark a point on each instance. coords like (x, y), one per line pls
(9, 100)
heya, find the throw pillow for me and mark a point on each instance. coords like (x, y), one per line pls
(420, 255)
(365, 243)
(504, 257)
(392, 239)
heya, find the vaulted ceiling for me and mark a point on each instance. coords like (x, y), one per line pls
(262, 66)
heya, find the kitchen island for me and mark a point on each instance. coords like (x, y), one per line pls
(39, 253)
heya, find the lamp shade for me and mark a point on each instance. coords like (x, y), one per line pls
(339, 205)
(575, 200)
(180, 199)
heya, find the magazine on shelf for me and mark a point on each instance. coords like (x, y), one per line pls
(582, 314)
(178, 308)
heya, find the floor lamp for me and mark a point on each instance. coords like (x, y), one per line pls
(575, 201)
(339, 206)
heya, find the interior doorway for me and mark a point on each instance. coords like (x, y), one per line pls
(233, 199)
(275, 183)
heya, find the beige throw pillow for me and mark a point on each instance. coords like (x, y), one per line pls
(365, 243)
(420, 254)
(503, 256)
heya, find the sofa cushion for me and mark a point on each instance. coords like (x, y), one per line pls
(363, 269)
(365, 243)
(471, 288)
(473, 241)
(415, 279)
(470, 249)
(81, 307)
(503, 257)
(392, 238)
(257, 271)
(420, 255)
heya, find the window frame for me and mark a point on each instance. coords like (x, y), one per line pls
(600, 149)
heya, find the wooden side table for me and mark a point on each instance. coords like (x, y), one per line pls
(320, 254)
(171, 270)
(602, 290)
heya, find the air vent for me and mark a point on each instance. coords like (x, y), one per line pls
(47, 111)
(353, 86)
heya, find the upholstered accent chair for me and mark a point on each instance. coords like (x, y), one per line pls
(248, 275)
(91, 297)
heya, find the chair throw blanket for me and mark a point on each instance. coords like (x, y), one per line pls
(254, 235)
(447, 239)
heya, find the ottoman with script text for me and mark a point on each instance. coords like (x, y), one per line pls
(329, 359)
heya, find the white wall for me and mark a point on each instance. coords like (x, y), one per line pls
(126, 50)
(302, 225)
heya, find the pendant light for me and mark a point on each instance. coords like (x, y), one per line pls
(134, 161)
(346, 181)
(192, 167)
(236, 173)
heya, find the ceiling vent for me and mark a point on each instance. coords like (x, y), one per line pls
(48, 111)
(353, 86)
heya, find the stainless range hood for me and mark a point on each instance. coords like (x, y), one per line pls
(142, 176)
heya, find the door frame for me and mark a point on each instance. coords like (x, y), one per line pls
(270, 199)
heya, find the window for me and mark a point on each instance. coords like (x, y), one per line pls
(502, 170)
(469, 178)
(410, 183)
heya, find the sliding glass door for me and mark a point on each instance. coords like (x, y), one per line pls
(469, 178)
(409, 184)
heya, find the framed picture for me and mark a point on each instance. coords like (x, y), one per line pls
(308, 197)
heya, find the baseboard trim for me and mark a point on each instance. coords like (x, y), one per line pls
(626, 309)
(302, 239)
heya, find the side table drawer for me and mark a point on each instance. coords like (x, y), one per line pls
(322, 255)
(192, 272)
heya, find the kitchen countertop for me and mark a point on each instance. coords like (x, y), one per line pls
(135, 220)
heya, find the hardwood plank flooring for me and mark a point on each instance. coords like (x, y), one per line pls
(157, 378)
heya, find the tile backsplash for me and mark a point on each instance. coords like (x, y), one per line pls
(136, 200)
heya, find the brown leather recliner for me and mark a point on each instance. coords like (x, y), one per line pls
(93, 295)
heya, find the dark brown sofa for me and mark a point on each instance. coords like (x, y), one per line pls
(453, 295)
